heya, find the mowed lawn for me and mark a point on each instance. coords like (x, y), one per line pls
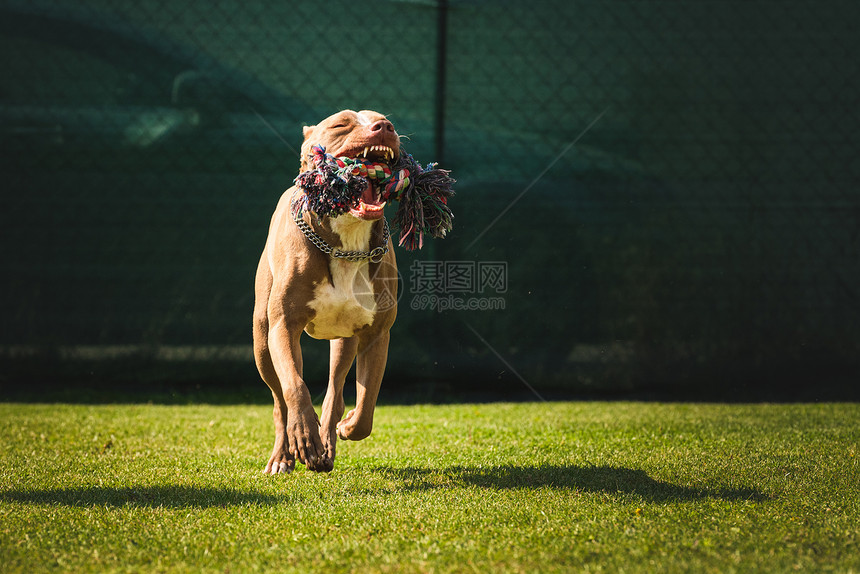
(540, 487)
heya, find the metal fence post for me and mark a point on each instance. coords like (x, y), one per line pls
(441, 58)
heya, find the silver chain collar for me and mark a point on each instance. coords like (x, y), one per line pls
(375, 255)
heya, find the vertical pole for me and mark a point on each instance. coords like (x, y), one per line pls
(434, 328)
(441, 74)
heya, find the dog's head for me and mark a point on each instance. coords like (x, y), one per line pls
(365, 134)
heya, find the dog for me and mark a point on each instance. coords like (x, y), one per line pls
(352, 302)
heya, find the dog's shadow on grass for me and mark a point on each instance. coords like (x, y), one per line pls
(613, 481)
(145, 496)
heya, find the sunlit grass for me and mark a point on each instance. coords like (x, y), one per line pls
(559, 487)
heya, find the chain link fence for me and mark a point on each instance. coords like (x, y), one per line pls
(663, 193)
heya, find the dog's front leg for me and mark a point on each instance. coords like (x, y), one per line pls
(343, 353)
(302, 422)
(370, 367)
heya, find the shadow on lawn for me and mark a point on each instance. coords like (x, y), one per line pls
(146, 496)
(610, 480)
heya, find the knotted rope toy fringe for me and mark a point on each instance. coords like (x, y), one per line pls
(335, 184)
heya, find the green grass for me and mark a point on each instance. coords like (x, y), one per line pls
(558, 487)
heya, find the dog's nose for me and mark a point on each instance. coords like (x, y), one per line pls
(382, 125)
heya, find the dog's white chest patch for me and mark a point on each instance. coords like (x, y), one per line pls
(345, 304)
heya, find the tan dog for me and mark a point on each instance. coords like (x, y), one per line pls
(352, 303)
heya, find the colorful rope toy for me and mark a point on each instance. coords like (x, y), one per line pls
(335, 184)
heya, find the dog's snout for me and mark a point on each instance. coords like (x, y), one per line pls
(382, 125)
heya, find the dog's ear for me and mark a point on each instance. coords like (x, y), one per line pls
(306, 148)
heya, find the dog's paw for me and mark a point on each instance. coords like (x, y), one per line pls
(281, 461)
(280, 464)
(304, 438)
(352, 427)
(279, 468)
(322, 464)
(329, 440)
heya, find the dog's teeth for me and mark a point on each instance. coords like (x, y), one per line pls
(384, 150)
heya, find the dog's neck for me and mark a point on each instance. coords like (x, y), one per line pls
(354, 233)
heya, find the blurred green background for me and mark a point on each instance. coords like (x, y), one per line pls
(671, 187)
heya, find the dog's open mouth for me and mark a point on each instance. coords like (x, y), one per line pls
(381, 153)
(370, 205)
(377, 153)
